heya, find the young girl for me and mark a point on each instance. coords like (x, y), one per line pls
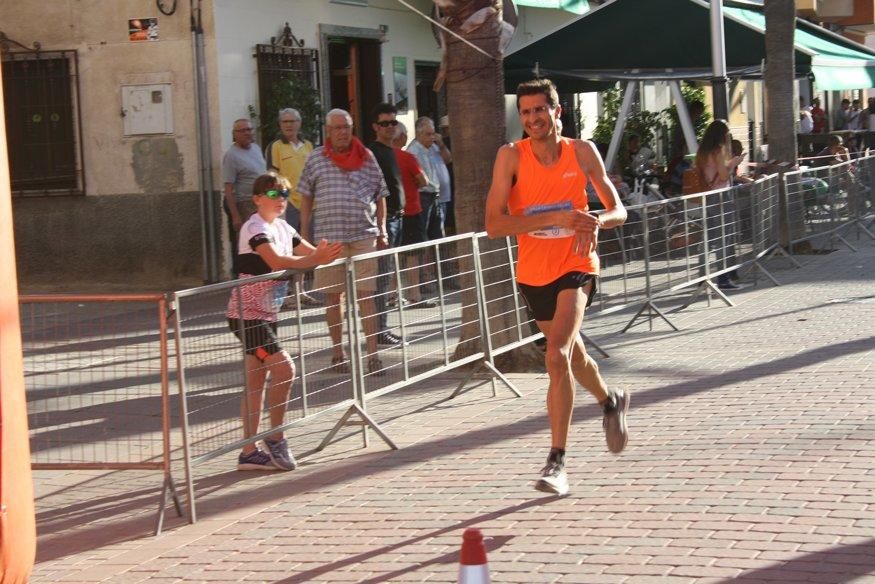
(268, 244)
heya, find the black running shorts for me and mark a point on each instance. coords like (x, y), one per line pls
(541, 300)
(261, 340)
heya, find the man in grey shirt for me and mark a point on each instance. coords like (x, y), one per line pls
(241, 165)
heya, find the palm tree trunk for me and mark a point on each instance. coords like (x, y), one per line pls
(781, 106)
(475, 102)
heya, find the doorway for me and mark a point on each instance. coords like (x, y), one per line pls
(428, 102)
(355, 81)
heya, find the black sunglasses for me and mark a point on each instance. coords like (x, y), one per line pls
(387, 123)
(273, 194)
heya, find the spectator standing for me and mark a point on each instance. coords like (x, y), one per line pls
(268, 244)
(806, 121)
(716, 167)
(384, 125)
(433, 155)
(840, 118)
(869, 123)
(818, 116)
(343, 192)
(413, 178)
(450, 211)
(286, 155)
(854, 116)
(241, 165)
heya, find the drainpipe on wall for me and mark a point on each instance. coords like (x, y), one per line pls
(205, 154)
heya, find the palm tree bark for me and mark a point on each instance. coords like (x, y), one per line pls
(781, 107)
(475, 103)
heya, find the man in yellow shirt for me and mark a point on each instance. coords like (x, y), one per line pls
(286, 155)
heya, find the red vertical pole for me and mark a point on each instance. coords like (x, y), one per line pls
(17, 522)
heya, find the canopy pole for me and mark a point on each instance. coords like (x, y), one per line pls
(718, 62)
(684, 116)
(628, 96)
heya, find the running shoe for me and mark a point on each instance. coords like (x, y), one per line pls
(255, 460)
(614, 421)
(553, 479)
(278, 451)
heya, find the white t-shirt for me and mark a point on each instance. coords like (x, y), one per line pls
(261, 300)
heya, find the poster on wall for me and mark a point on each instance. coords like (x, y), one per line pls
(142, 29)
(399, 73)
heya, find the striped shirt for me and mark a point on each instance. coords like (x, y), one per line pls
(345, 202)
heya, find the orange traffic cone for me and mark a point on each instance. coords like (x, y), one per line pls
(473, 568)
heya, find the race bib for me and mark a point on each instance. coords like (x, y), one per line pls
(553, 232)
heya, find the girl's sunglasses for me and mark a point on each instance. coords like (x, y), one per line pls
(275, 194)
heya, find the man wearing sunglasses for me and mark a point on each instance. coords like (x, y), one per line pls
(384, 127)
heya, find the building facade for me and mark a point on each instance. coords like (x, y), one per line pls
(111, 183)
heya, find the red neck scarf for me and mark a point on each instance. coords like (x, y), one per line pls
(352, 159)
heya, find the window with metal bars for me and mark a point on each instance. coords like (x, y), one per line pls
(43, 122)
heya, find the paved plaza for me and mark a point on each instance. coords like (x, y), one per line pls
(750, 460)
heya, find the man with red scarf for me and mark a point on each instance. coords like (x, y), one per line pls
(343, 190)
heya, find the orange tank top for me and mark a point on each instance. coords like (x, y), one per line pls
(546, 254)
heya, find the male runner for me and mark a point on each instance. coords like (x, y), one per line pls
(538, 193)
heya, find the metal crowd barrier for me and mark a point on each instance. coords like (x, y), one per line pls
(96, 381)
(668, 245)
(824, 201)
(453, 302)
(433, 295)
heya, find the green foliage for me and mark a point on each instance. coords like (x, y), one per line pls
(296, 93)
(691, 93)
(604, 128)
(646, 124)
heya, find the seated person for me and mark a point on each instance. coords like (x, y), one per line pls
(636, 160)
(834, 153)
(737, 177)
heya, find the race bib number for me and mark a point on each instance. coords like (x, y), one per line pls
(552, 232)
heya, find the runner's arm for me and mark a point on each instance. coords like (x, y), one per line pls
(591, 163)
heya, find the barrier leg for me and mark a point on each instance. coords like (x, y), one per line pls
(779, 250)
(651, 308)
(595, 345)
(365, 422)
(500, 375)
(494, 373)
(758, 265)
(860, 226)
(707, 287)
(171, 487)
(846, 242)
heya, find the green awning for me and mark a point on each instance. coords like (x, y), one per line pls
(670, 39)
(575, 6)
(834, 62)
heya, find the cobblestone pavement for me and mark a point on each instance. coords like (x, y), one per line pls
(750, 460)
